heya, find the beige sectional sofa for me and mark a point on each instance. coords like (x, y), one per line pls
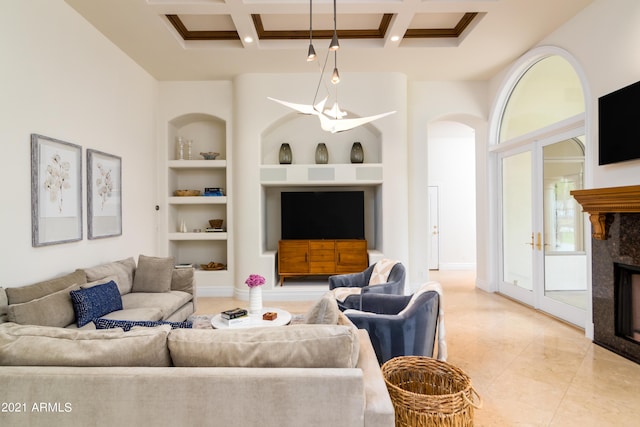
(320, 374)
(152, 290)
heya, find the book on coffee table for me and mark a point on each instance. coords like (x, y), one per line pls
(234, 313)
(237, 320)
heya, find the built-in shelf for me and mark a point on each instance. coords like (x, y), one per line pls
(197, 200)
(598, 202)
(207, 133)
(197, 164)
(222, 235)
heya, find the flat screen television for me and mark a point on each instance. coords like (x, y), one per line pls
(619, 133)
(322, 215)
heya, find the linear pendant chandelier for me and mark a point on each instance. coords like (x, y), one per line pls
(331, 120)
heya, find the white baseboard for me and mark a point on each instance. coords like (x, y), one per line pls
(278, 293)
(484, 285)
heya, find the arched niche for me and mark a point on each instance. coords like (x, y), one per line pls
(207, 132)
(303, 133)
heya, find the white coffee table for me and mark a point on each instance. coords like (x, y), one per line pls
(255, 321)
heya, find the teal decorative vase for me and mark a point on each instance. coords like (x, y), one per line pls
(285, 156)
(357, 153)
(322, 154)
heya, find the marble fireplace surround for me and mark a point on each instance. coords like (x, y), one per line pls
(615, 216)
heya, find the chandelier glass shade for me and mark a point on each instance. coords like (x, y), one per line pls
(311, 53)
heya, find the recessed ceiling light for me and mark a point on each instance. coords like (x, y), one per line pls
(395, 38)
(248, 39)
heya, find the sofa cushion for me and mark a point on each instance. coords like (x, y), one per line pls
(100, 282)
(126, 325)
(294, 346)
(153, 274)
(94, 302)
(324, 311)
(55, 309)
(37, 290)
(166, 302)
(26, 345)
(182, 280)
(124, 270)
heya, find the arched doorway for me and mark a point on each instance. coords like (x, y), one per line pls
(451, 158)
(538, 144)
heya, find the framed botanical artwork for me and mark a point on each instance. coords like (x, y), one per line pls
(56, 191)
(104, 194)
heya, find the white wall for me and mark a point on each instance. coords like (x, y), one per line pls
(363, 94)
(451, 160)
(61, 78)
(463, 102)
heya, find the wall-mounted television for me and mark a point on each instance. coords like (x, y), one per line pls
(619, 133)
(322, 215)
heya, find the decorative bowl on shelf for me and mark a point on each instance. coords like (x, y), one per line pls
(210, 155)
(216, 223)
(212, 266)
(186, 193)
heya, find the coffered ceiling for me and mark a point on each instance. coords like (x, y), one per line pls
(425, 39)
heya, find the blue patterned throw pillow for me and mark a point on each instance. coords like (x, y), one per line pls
(96, 301)
(103, 323)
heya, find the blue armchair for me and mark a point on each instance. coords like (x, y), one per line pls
(393, 286)
(400, 325)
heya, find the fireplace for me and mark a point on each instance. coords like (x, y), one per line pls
(627, 301)
(615, 216)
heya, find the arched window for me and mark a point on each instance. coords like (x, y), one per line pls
(548, 92)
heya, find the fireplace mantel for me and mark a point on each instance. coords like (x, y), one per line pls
(598, 202)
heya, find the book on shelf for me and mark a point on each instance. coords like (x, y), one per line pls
(234, 313)
(184, 265)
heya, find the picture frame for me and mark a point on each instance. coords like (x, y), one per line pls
(56, 191)
(104, 195)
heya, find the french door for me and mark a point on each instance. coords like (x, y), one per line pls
(543, 258)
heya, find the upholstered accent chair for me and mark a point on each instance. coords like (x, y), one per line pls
(403, 325)
(349, 288)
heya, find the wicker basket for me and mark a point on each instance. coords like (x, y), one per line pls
(429, 392)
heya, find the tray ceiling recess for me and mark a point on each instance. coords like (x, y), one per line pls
(350, 26)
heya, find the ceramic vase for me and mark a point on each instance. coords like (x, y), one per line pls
(285, 156)
(255, 300)
(322, 154)
(357, 153)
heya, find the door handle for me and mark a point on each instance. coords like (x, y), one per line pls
(539, 241)
(531, 242)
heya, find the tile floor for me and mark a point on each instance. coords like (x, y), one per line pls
(529, 368)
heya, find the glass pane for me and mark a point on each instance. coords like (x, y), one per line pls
(516, 220)
(548, 92)
(565, 262)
